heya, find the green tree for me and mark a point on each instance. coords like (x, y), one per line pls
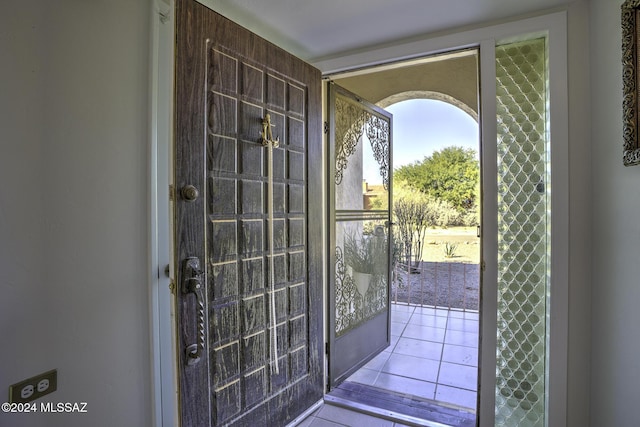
(450, 175)
(414, 212)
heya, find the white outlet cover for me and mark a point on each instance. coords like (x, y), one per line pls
(43, 385)
(26, 391)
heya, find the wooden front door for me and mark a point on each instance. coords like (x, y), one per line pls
(248, 226)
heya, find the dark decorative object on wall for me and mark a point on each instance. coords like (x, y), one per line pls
(630, 84)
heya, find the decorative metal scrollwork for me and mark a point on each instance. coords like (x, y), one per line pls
(378, 134)
(350, 120)
(351, 123)
(352, 308)
(345, 296)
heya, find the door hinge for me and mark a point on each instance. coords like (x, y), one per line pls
(326, 127)
(483, 266)
(326, 348)
(171, 193)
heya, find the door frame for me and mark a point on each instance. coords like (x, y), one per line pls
(554, 27)
(160, 125)
(164, 358)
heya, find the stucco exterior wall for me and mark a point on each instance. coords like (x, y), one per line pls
(455, 78)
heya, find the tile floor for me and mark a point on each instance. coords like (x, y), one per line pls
(433, 354)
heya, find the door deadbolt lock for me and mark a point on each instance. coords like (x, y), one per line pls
(189, 193)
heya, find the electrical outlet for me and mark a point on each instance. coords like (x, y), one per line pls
(34, 387)
(26, 391)
(43, 385)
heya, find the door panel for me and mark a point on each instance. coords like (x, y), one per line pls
(524, 218)
(360, 206)
(228, 80)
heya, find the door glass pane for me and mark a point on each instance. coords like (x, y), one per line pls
(362, 158)
(361, 273)
(523, 233)
(362, 214)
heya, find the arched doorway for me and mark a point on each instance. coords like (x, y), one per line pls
(433, 356)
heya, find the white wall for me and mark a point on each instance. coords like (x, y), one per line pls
(73, 206)
(579, 341)
(23, 318)
(616, 233)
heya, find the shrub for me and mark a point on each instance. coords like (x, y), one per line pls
(449, 249)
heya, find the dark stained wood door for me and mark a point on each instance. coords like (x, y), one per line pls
(227, 81)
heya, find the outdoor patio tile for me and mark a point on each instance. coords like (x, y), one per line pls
(400, 316)
(397, 328)
(394, 340)
(460, 376)
(419, 348)
(412, 364)
(406, 385)
(412, 367)
(392, 344)
(471, 315)
(461, 355)
(456, 396)
(402, 307)
(378, 362)
(364, 376)
(469, 339)
(466, 325)
(346, 417)
(425, 310)
(426, 333)
(442, 312)
(428, 320)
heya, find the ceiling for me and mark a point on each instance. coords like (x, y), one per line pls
(321, 29)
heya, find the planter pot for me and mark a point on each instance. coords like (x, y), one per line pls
(362, 281)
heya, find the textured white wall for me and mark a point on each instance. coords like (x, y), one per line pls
(579, 341)
(616, 233)
(24, 320)
(73, 206)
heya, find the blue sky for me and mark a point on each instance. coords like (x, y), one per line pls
(421, 126)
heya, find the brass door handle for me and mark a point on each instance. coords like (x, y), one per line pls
(192, 283)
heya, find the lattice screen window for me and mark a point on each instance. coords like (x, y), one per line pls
(523, 233)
